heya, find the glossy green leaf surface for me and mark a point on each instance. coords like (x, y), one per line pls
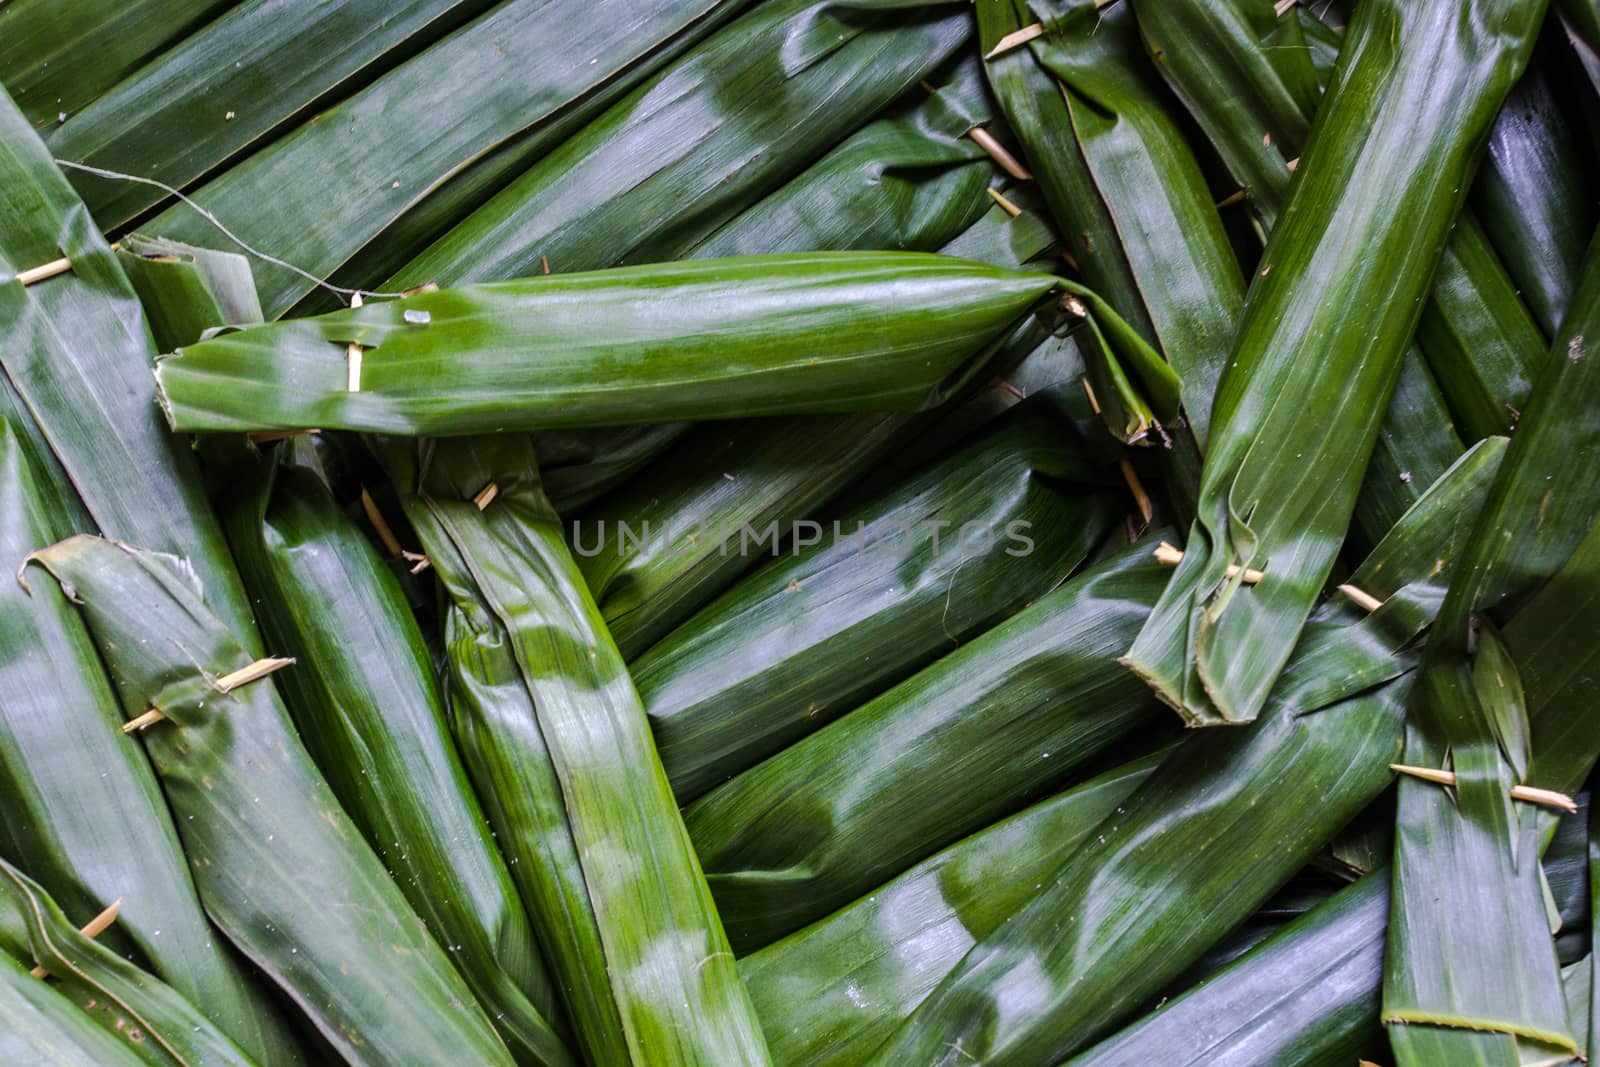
(83, 812)
(762, 335)
(829, 994)
(1308, 995)
(78, 352)
(56, 57)
(226, 87)
(867, 600)
(1247, 807)
(368, 707)
(283, 872)
(758, 100)
(497, 730)
(912, 180)
(1280, 476)
(146, 1015)
(509, 86)
(997, 723)
(668, 965)
(1536, 199)
(39, 1026)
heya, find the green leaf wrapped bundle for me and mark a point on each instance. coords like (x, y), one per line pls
(1469, 945)
(479, 509)
(996, 723)
(1319, 349)
(804, 638)
(763, 335)
(366, 702)
(282, 871)
(78, 352)
(83, 812)
(386, 170)
(222, 90)
(153, 1020)
(829, 994)
(1226, 819)
(757, 102)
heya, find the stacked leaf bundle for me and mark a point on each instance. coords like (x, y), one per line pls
(804, 532)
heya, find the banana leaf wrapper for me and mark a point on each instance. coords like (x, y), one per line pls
(1225, 820)
(1469, 943)
(912, 180)
(830, 993)
(84, 813)
(186, 291)
(856, 607)
(77, 350)
(148, 1016)
(1251, 81)
(42, 1028)
(1537, 198)
(1307, 995)
(758, 101)
(668, 965)
(497, 731)
(765, 335)
(367, 705)
(436, 136)
(1324, 330)
(57, 57)
(224, 89)
(999, 722)
(282, 870)
(1166, 218)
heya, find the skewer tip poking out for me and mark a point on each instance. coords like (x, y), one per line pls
(226, 684)
(34, 275)
(486, 495)
(1231, 199)
(380, 525)
(1006, 205)
(92, 929)
(139, 722)
(999, 153)
(1094, 402)
(1141, 498)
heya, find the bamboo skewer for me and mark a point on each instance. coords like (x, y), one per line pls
(91, 929)
(1361, 598)
(997, 152)
(1141, 498)
(1018, 38)
(352, 358)
(226, 684)
(1548, 798)
(486, 495)
(1172, 555)
(1000, 198)
(47, 270)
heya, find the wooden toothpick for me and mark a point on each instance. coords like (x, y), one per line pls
(227, 683)
(1548, 798)
(1361, 598)
(1141, 498)
(1006, 205)
(1172, 555)
(997, 152)
(486, 495)
(48, 270)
